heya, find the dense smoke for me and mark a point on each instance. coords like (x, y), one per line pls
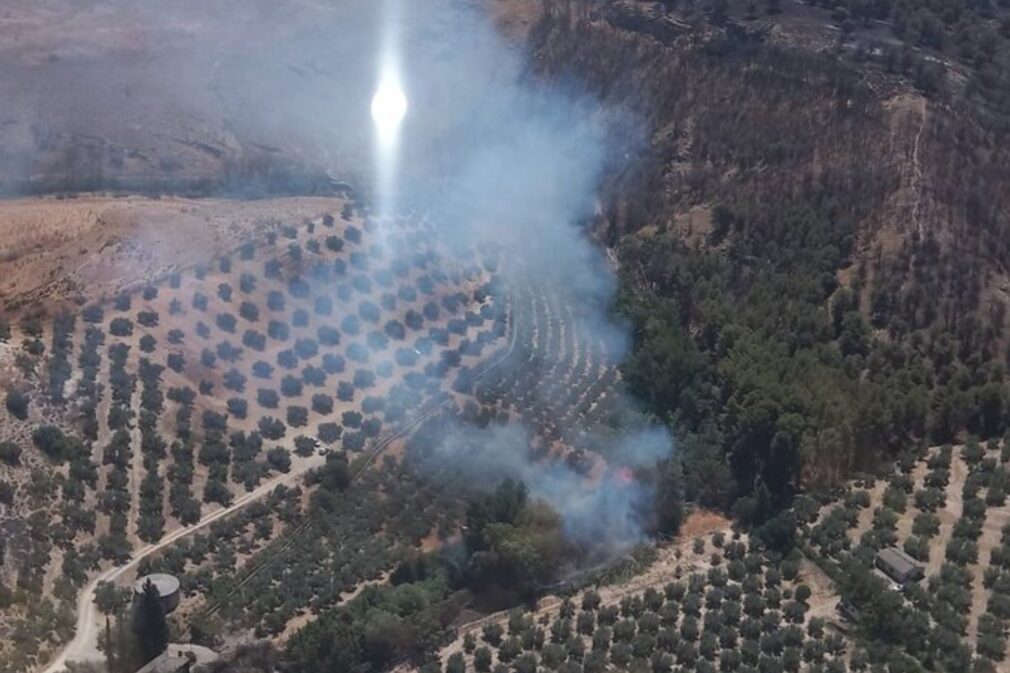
(488, 152)
(603, 512)
(521, 166)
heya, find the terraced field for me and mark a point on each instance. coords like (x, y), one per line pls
(948, 510)
(706, 603)
(560, 375)
(314, 351)
(168, 402)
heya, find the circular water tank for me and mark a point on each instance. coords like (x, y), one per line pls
(167, 585)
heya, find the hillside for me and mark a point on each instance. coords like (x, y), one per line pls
(813, 233)
(671, 280)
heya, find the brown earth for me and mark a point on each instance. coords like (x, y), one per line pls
(59, 250)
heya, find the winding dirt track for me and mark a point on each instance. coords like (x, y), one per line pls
(84, 645)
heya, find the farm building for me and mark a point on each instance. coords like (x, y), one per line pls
(898, 565)
(167, 662)
(168, 589)
(180, 659)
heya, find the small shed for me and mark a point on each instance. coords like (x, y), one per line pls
(898, 565)
(168, 662)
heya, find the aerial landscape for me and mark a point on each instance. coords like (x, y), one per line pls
(504, 336)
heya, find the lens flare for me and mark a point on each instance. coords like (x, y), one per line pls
(389, 108)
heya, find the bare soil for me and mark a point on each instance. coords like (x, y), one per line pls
(56, 251)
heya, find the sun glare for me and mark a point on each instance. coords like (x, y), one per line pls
(389, 107)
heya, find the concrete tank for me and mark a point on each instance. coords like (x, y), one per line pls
(168, 589)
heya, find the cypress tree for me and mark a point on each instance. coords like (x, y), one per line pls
(150, 623)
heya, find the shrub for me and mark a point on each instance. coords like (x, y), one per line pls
(323, 306)
(271, 428)
(10, 453)
(262, 370)
(334, 243)
(148, 343)
(351, 419)
(207, 358)
(297, 416)
(287, 359)
(369, 311)
(363, 378)
(51, 441)
(492, 634)
(322, 404)
(299, 288)
(279, 459)
(121, 327)
(148, 318)
(254, 340)
(350, 325)
(333, 364)
(304, 446)
(93, 314)
(268, 399)
(328, 336)
(234, 380)
(306, 348)
(278, 330)
(313, 376)
(926, 525)
(17, 404)
(329, 432)
(291, 386)
(226, 322)
(238, 407)
(176, 362)
(395, 330)
(482, 659)
(249, 311)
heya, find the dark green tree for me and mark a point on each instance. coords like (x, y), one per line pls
(150, 624)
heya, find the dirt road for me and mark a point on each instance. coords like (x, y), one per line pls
(84, 646)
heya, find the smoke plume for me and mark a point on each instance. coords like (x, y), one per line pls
(189, 90)
(520, 162)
